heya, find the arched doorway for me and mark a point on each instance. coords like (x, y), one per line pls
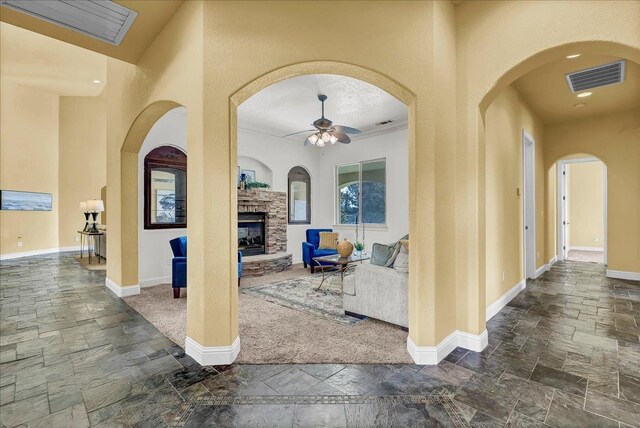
(555, 147)
(127, 252)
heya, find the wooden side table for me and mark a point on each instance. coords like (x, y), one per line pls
(88, 236)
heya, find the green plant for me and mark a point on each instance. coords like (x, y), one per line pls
(359, 246)
(257, 185)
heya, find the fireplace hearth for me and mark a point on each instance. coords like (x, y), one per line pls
(251, 233)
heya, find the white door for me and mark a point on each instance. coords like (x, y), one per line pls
(529, 204)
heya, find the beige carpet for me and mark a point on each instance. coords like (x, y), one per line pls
(586, 256)
(270, 333)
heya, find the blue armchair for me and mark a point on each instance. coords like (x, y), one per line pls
(179, 265)
(310, 248)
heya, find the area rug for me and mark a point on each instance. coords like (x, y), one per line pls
(91, 266)
(271, 333)
(303, 294)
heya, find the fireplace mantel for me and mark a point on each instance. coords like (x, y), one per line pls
(274, 206)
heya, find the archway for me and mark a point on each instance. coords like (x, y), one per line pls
(128, 250)
(422, 288)
(552, 54)
(558, 233)
(375, 165)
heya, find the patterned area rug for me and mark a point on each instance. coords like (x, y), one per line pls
(303, 294)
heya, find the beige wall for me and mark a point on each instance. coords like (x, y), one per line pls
(82, 162)
(28, 162)
(586, 204)
(613, 139)
(505, 119)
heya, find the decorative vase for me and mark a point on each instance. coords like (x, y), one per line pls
(345, 248)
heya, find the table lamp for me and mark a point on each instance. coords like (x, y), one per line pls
(83, 208)
(95, 206)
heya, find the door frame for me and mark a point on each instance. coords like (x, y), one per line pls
(529, 204)
(561, 211)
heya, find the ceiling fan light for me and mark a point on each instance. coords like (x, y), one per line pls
(326, 137)
(320, 143)
(313, 139)
(333, 139)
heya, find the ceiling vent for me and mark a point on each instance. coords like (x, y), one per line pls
(386, 122)
(595, 77)
(101, 19)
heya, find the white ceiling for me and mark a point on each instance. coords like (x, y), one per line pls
(292, 105)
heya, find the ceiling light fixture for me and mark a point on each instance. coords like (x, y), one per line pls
(328, 133)
(584, 94)
(97, 81)
(572, 56)
(579, 105)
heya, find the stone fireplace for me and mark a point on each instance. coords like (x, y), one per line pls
(262, 231)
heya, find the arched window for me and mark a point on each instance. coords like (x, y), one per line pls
(299, 196)
(165, 188)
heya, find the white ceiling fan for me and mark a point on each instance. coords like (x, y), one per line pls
(326, 131)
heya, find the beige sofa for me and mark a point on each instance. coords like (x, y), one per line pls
(377, 292)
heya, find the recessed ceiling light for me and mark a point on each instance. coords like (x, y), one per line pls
(96, 81)
(572, 56)
(580, 105)
(584, 94)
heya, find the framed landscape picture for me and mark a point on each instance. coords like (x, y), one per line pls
(11, 200)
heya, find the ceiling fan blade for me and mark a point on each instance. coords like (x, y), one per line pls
(296, 133)
(342, 138)
(347, 129)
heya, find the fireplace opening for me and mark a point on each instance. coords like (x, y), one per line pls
(251, 233)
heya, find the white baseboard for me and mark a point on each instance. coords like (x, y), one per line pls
(212, 355)
(553, 261)
(150, 282)
(429, 355)
(502, 301)
(542, 269)
(620, 274)
(586, 248)
(31, 253)
(131, 290)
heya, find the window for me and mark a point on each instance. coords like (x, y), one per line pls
(299, 196)
(165, 188)
(361, 192)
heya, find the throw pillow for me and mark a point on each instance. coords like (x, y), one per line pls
(402, 260)
(328, 240)
(384, 255)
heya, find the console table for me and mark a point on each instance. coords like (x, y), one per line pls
(87, 236)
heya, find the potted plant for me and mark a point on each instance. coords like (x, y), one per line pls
(359, 246)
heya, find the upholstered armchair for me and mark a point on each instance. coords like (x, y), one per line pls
(178, 265)
(310, 248)
(239, 267)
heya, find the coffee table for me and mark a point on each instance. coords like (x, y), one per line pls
(343, 262)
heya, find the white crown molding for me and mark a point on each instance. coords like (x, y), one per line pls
(502, 301)
(32, 253)
(151, 282)
(212, 355)
(620, 274)
(430, 355)
(579, 248)
(131, 290)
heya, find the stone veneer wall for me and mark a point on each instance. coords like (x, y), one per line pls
(274, 205)
(261, 265)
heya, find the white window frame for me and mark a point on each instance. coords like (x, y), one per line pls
(337, 194)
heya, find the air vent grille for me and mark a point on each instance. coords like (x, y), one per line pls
(595, 77)
(101, 19)
(386, 122)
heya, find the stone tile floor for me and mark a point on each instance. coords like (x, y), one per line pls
(564, 352)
